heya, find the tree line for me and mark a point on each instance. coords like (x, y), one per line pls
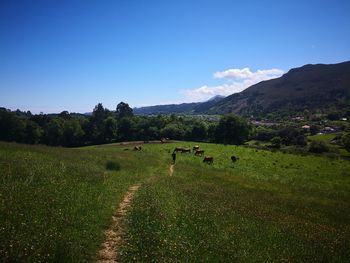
(105, 126)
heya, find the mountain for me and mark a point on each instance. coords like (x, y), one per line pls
(204, 106)
(188, 108)
(166, 109)
(311, 86)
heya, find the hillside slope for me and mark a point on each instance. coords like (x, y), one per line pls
(195, 107)
(311, 86)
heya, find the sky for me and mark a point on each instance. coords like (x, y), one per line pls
(71, 55)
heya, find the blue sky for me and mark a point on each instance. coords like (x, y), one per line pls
(70, 55)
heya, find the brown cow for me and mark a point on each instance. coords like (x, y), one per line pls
(208, 159)
(179, 149)
(196, 147)
(185, 150)
(199, 152)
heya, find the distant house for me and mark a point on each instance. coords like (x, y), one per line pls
(298, 118)
(263, 123)
(306, 128)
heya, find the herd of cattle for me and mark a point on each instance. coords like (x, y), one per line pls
(199, 152)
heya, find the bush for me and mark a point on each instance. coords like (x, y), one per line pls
(346, 141)
(318, 147)
(276, 142)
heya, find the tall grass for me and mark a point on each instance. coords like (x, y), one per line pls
(265, 207)
(55, 204)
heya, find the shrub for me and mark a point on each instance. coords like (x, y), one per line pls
(318, 147)
(346, 141)
(276, 142)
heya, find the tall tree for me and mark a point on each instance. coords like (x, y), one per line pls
(232, 130)
(126, 129)
(110, 128)
(54, 132)
(97, 123)
(124, 110)
(33, 132)
(72, 133)
(199, 132)
(99, 113)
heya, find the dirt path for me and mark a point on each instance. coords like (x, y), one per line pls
(171, 169)
(113, 236)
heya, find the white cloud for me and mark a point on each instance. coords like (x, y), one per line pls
(245, 73)
(237, 81)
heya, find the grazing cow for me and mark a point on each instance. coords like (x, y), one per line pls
(137, 148)
(208, 159)
(179, 149)
(199, 152)
(185, 150)
(195, 148)
(234, 158)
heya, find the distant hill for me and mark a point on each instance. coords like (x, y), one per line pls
(189, 108)
(313, 87)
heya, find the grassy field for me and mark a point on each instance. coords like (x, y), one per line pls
(268, 206)
(56, 202)
(327, 139)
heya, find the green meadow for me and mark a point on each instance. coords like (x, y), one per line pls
(55, 204)
(328, 140)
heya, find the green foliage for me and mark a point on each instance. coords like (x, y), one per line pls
(33, 132)
(54, 132)
(123, 110)
(104, 126)
(173, 131)
(199, 132)
(292, 136)
(12, 127)
(346, 141)
(276, 142)
(318, 147)
(126, 129)
(334, 116)
(72, 133)
(264, 133)
(232, 130)
(110, 128)
(99, 113)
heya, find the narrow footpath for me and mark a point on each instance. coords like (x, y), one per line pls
(171, 169)
(113, 237)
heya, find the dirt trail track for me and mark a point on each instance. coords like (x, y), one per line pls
(171, 169)
(113, 236)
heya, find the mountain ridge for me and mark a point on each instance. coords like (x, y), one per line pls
(311, 87)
